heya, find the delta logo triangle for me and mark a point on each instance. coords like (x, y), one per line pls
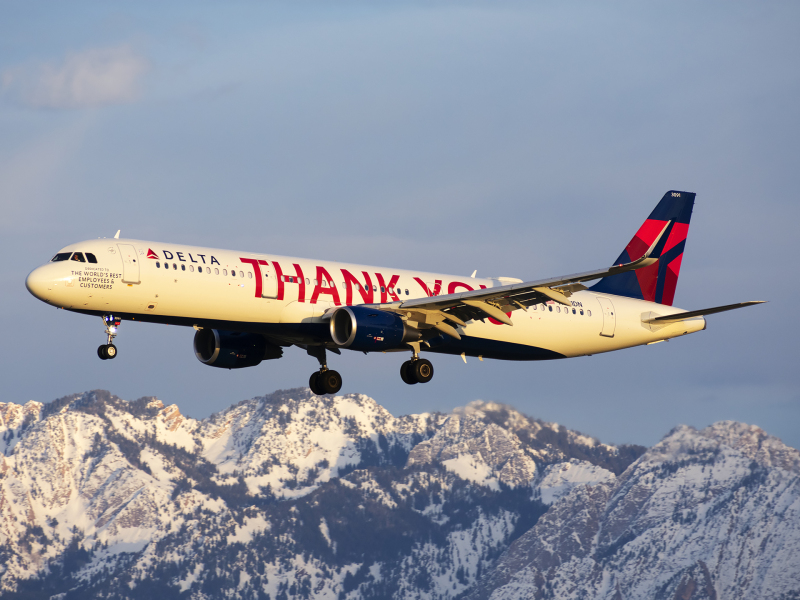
(151, 254)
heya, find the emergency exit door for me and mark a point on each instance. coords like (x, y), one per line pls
(269, 282)
(130, 263)
(609, 318)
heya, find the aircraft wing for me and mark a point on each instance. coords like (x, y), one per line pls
(497, 301)
(667, 319)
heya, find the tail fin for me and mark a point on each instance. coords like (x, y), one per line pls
(657, 282)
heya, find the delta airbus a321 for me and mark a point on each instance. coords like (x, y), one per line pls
(247, 307)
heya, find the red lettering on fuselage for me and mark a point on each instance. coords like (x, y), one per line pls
(454, 285)
(365, 290)
(301, 293)
(322, 275)
(385, 288)
(437, 287)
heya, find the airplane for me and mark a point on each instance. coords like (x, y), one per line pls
(246, 307)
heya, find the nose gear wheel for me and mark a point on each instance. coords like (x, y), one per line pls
(108, 350)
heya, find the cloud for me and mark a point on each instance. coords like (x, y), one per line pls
(94, 77)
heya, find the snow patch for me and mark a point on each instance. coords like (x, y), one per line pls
(469, 468)
(560, 479)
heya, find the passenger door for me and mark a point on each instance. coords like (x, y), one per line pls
(609, 318)
(130, 263)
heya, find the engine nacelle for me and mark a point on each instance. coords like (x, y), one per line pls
(233, 349)
(369, 329)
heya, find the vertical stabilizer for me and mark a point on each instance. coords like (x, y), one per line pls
(657, 282)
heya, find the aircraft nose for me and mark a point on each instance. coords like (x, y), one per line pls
(38, 283)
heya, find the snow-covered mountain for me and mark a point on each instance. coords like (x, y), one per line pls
(295, 495)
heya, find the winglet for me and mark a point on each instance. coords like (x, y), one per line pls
(658, 239)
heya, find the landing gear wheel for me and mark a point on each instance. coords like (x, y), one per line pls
(422, 370)
(406, 373)
(101, 352)
(329, 381)
(111, 351)
(313, 383)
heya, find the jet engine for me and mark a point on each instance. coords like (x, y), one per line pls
(369, 329)
(233, 349)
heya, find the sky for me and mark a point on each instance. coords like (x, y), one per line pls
(520, 139)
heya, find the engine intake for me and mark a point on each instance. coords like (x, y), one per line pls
(369, 329)
(233, 349)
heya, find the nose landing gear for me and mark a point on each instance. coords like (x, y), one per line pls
(324, 381)
(109, 350)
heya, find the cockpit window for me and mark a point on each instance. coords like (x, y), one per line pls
(61, 256)
(78, 257)
(91, 258)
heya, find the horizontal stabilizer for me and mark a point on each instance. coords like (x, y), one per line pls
(700, 313)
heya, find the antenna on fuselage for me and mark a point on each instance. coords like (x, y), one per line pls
(116, 235)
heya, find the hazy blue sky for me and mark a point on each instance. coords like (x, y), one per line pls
(518, 139)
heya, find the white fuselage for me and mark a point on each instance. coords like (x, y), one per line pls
(194, 286)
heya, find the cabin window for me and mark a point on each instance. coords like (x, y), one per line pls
(61, 256)
(324, 283)
(216, 271)
(91, 258)
(174, 267)
(249, 275)
(208, 270)
(406, 292)
(374, 288)
(588, 313)
(225, 272)
(183, 267)
(191, 268)
(366, 288)
(308, 281)
(574, 312)
(241, 273)
(581, 312)
(233, 273)
(390, 290)
(78, 257)
(383, 290)
(558, 309)
(550, 308)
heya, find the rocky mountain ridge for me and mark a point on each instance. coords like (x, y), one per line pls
(295, 495)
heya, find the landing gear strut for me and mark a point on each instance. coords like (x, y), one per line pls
(324, 381)
(109, 350)
(416, 370)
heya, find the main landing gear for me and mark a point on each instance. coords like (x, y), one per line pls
(324, 381)
(416, 370)
(109, 350)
